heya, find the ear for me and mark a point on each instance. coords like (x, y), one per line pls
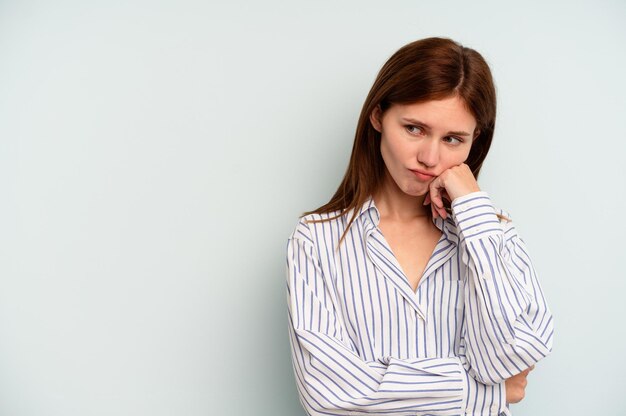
(376, 118)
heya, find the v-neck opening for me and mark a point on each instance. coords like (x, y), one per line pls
(428, 264)
(426, 267)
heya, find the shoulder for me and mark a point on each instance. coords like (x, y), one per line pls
(302, 230)
(308, 226)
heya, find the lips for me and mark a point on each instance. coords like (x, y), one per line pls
(422, 175)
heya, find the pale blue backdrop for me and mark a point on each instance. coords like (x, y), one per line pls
(155, 155)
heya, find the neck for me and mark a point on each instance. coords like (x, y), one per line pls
(395, 205)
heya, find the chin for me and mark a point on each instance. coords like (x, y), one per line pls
(416, 192)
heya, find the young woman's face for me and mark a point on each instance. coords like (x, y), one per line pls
(420, 141)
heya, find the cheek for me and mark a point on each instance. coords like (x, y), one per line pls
(386, 152)
(456, 158)
(394, 152)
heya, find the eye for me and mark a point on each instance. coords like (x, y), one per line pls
(410, 128)
(452, 138)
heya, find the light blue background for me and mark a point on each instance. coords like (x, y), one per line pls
(155, 155)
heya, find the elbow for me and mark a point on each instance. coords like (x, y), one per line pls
(495, 366)
(485, 377)
(481, 372)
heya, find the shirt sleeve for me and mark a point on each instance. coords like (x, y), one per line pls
(509, 326)
(331, 377)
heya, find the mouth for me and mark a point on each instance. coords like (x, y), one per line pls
(423, 176)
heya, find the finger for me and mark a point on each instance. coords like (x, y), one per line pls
(441, 212)
(432, 197)
(427, 199)
(433, 209)
(435, 192)
(439, 206)
(435, 195)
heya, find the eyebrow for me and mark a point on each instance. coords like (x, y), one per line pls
(414, 121)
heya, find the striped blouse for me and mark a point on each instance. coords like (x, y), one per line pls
(363, 342)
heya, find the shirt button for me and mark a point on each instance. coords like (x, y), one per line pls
(486, 276)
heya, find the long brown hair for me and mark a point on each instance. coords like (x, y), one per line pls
(427, 69)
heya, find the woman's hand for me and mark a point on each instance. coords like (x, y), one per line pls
(516, 386)
(450, 184)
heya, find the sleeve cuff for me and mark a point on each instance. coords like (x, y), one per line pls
(423, 377)
(475, 215)
(477, 395)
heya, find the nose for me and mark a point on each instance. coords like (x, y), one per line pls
(428, 153)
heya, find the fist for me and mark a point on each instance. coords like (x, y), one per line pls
(516, 386)
(450, 184)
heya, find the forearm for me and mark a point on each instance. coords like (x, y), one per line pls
(509, 325)
(334, 381)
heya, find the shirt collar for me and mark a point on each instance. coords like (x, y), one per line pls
(368, 207)
(447, 226)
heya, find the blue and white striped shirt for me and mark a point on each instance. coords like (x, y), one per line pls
(363, 342)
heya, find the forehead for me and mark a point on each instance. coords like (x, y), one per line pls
(448, 113)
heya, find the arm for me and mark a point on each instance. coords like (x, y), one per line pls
(509, 326)
(332, 379)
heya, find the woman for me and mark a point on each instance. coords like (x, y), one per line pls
(409, 292)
